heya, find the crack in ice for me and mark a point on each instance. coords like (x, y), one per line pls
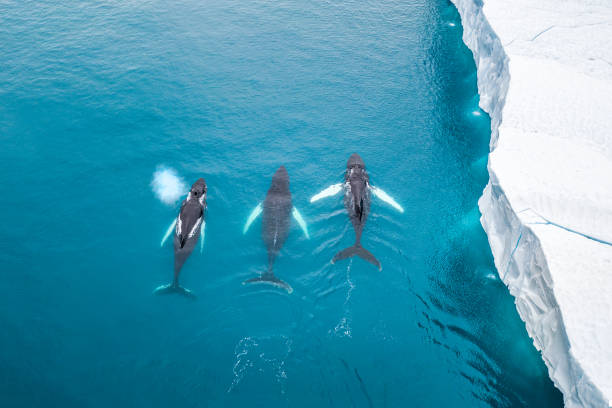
(567, 26)
(512, 253)
(542, 32)
(563, 227)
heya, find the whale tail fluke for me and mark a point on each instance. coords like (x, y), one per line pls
(270, 279)
(173, 288)
(361, 252)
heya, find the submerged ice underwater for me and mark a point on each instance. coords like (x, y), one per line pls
(98, 96)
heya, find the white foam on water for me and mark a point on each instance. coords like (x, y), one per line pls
(343, 328)
(265, 354)
(167, 185)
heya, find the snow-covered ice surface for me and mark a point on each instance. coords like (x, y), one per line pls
(545, 77)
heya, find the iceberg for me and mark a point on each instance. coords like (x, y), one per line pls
(545, 78)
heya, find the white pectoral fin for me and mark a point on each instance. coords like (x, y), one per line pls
(202, 234)
(386, 198)
(254, 214)
(328, 192)
(298, 217)
(170, 229)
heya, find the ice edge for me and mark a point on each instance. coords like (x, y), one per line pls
(518, 255)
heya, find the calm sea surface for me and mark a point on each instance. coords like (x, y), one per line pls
(96, 96)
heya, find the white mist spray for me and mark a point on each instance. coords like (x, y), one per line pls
(167, 185)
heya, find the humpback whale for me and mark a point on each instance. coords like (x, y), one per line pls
(277, 210)
(188, 227)
(357, 197)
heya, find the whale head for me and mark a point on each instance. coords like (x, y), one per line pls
(198, 189)
(280, 180)
(355, 162)
(355, 167)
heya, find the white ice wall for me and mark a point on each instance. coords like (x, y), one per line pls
(545, 78)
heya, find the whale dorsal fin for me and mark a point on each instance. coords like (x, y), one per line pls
(328, 192)
(300, 220)
(254, 214)
(386, 198)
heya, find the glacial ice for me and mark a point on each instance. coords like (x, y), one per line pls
(545, 78)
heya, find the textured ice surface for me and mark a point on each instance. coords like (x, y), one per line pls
(545, 77)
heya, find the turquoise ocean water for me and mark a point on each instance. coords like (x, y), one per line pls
(97, 96)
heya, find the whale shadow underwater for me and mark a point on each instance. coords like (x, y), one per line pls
(277, 209)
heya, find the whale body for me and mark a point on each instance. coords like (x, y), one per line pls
(358, 194)
(277, 209)
(357, 203)
(188, 227)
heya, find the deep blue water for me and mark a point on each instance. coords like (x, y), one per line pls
(94, 96)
